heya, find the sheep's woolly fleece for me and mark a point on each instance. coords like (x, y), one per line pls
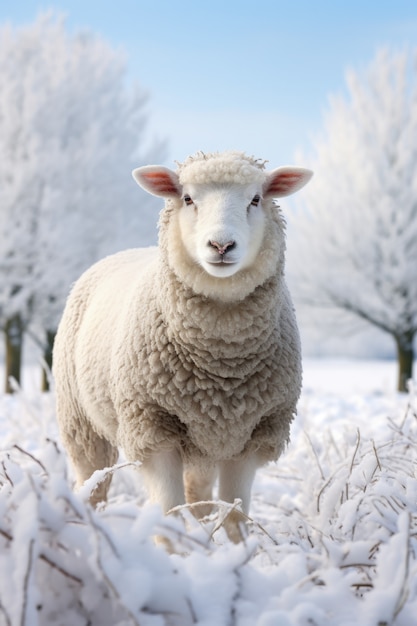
(218, 378)
(231, 166)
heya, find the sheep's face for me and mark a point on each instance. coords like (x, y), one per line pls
(222, 226)
(222, 235)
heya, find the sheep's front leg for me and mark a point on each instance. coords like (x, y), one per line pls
(162, 474)
(199, 481)
(235, 481)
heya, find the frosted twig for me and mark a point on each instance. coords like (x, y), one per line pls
(358, 565)
(192, 505)
(54, 443)
(376, 456)
(60, 569)
(404, 592)
(46, 559)
(311, 578)
(406, 412)
(6, 474)
(26, 583)
(99, 476)
(215, 503)
(25, 452)
(180, 536)
(374, 550)
(103, 533)
(398, 503)
(73, 507)
(324, 487)
(5, 534)
(225, 509)
(316, 456)
(191, 609)
(334, 444)
(358, 586)
(266, 533)
(358, 440)
(390, 504)
(107, 579)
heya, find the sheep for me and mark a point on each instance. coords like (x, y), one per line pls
(187, 355)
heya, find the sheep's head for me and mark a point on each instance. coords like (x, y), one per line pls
(221, 202)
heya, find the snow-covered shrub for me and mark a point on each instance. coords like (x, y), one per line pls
(332, 542)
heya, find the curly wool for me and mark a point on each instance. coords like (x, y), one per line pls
(231, 166)
(221, 382)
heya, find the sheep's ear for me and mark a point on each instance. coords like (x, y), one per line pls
(285, 180)
(158, 180)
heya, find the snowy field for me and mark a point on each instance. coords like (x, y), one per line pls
(332, 529)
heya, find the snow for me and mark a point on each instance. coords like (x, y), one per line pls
(332, 528)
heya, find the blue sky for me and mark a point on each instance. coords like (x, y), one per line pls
(224, 74)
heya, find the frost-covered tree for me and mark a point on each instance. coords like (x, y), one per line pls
(356, 244)
(70, 133)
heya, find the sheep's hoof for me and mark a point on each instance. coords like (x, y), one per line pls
(235, 526)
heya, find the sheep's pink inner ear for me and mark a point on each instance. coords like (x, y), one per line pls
(286, 180)
(157, 180)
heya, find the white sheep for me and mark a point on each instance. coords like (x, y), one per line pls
(187, 355)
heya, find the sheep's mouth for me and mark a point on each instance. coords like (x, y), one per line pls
(222, 262)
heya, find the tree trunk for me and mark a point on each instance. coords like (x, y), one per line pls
(14, 343)
(47, 360)
(405, 356)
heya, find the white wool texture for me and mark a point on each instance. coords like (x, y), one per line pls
(221, 167)
(147, 357)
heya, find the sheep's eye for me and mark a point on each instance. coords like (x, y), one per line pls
(255, 201)
(188, 200)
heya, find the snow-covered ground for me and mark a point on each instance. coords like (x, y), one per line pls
(332, 530)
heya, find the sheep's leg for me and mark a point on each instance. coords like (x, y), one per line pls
(162, 474)
(236, 478)
(199, 482)
(89, 453)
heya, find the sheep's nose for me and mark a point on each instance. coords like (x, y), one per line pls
(222, 248)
